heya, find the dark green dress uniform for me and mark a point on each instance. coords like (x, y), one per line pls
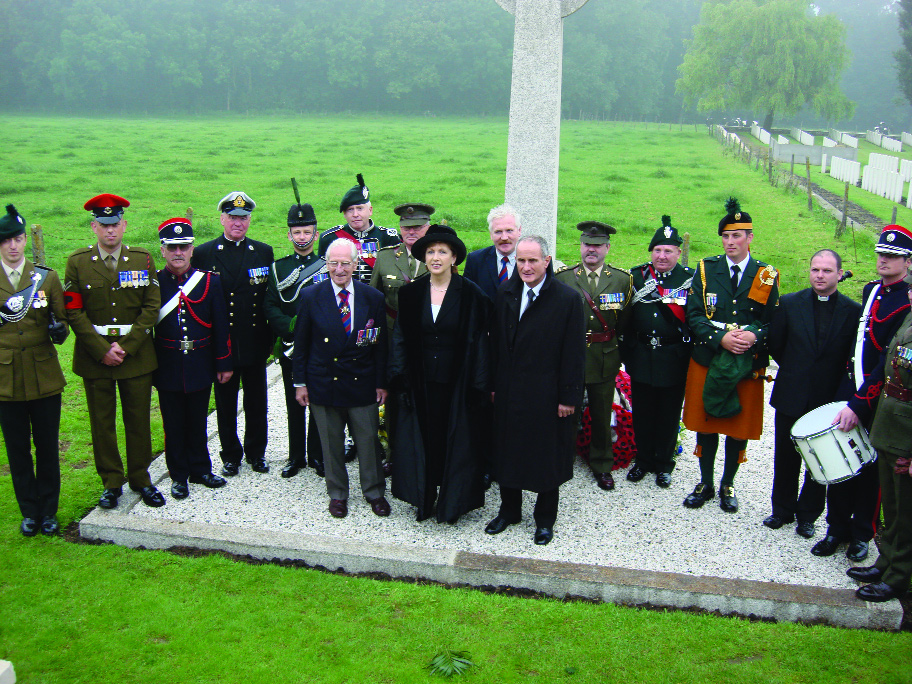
(31, 382)
(287, 278)
(105, 306)
(393, 268)
(369, 243)
(612, 297)
(891, 435)
(656, 348)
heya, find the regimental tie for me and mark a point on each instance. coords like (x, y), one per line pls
(735, 271)
(14, 279)
(502, 276)
(345, 311)
(110, 262)
(593, 282)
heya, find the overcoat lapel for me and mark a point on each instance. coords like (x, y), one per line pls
(449, 299)
(807, 319)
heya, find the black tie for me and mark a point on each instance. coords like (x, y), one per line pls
(735, 271)
(531, 296)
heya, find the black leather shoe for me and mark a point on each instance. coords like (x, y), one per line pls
(209, 480)
(700, 495)
(663, 480)
(49, 525)
(543, 535)
(180, 490)
(387, 468)
(150, 496)
(865, 574)
(877, 593)
(259, 465)
(29, 527)
(636, 473)
(231, 469)
(499, 524)
(805, 529)
(290, 470)
(774, 522)
(857, 551)
(109, 497)
(826, 546)
(321, 471)
(604, 481)
(728, 502)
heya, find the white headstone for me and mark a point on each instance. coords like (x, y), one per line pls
(533, 145)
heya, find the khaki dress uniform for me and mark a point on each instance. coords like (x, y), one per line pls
(105, 306)
(391, 271)
(612, 296)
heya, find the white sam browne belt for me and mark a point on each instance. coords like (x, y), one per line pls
(112, 330)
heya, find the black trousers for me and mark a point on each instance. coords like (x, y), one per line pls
(253, 378)
(184, 415)
(787, 502)
(303, 438)
(37, 486)
(853, 506)
(656, 418)
(545, 513)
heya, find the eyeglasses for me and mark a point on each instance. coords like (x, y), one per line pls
(338, 264)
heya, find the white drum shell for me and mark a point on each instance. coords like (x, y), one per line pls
(830, 454)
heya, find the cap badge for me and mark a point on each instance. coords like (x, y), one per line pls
(364, 192)
(300, 214)
(238, 201)
(410, 211)
(667, 231)
(178, 230)
(108, 210)
(19, 219)
(738, 216)
(891, 237)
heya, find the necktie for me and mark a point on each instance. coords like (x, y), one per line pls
(593, 283)
(531, 296)
(110, 262)
(14, 278)
(345, 312)
(411, 263)
(735, 271)
(502, 276)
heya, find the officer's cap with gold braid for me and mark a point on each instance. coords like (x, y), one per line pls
(236, 203)
(895, 240)
(357, 195)
(666, 235)
(107, 209)
(11, 224)
(735, 219)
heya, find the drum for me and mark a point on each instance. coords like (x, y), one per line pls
(830, 454)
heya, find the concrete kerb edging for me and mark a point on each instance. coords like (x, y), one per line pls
(766, 600)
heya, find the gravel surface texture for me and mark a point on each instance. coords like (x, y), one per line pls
(638, 526)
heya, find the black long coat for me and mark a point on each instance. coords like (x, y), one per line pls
(539, 362)
(467, 441)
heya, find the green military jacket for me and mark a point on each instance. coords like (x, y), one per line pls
(98, 296)
(712, 309)
(29, 368)
(613, 299)
(892, 427)
(391, 271)
(287, 277)
(656, 344)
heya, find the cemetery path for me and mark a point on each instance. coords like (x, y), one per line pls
(855, 212)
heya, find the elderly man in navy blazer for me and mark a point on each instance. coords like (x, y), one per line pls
(490, 266)
(339, 370)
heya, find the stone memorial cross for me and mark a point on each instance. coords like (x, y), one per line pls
(533, 145)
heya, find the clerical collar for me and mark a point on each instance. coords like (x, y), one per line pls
(823, 298)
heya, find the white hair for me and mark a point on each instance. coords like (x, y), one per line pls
(342, 242)
(503, 211)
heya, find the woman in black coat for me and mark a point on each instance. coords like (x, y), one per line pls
(439, 366)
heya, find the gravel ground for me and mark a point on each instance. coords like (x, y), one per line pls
(635, 526)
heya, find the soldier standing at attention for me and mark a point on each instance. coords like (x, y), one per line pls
(656, 350)
(193, 348)
(395, 266)
(112, 301)
(287, 278)
(734, 297)
(244, 268)
(606, 292)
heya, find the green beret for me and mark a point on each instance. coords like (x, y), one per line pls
(666, 235)
(11, 224)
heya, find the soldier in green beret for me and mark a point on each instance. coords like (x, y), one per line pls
(607, 293)
(656, 348)
(31, 321)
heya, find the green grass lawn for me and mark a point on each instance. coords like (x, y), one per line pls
(81, 613)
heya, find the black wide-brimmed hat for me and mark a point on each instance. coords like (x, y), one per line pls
(440, 233)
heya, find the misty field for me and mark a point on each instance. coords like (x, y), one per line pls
(81, 613)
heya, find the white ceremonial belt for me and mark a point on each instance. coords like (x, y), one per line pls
(720, 325)
(112, 330)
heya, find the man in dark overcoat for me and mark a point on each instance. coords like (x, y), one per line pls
(811, 338)
(656, 348)
(32, 320)
(112, 301)
(539, 352)
(339, 362)
(194, 351)
(243, 265)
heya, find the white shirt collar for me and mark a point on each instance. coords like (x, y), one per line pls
(741, 264)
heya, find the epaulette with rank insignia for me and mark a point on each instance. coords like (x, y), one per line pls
(617, 268)
(389, 247)
(566, 268)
